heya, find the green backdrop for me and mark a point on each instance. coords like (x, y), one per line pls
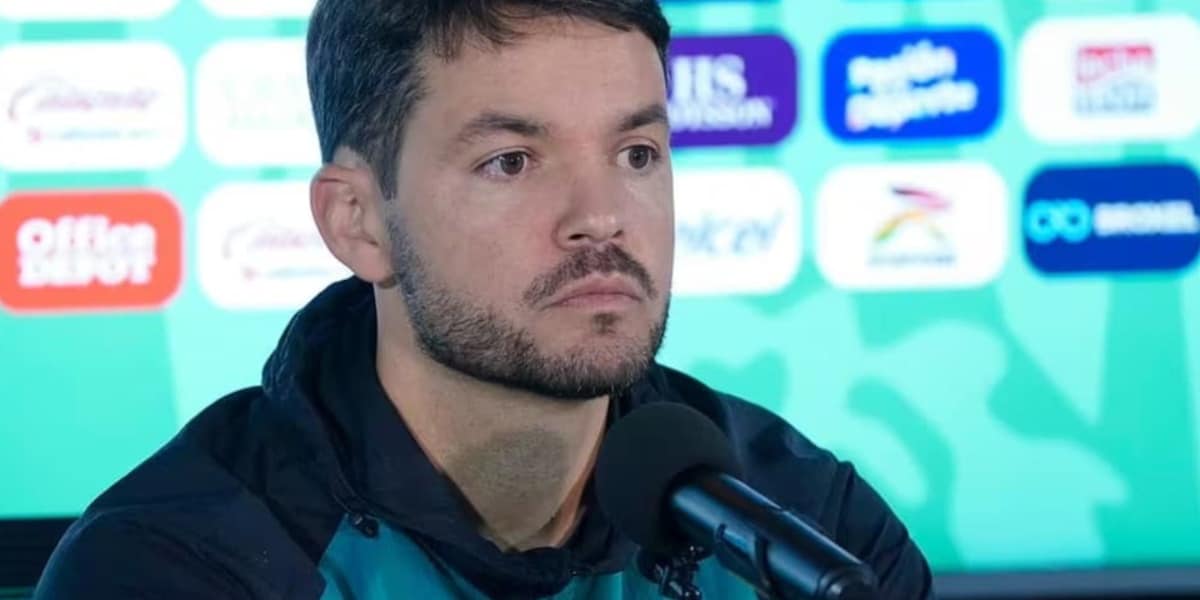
(1034, 422)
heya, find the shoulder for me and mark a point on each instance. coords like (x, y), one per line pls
(787, 466)
(761, 438)
(186, 523)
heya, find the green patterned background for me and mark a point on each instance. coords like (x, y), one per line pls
(1033, 423)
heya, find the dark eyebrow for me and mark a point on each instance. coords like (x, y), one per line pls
(489, 123)
(650, 115)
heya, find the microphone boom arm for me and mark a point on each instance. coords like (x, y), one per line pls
(778, 553)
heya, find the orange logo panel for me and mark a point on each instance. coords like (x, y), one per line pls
(71, 251)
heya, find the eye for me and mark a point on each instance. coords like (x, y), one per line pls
(509, 164)
(640, 157)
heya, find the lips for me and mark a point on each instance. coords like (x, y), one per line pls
(598, 289)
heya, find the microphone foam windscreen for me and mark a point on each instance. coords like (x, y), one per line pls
(643, 456)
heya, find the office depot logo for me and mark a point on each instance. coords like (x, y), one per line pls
(1110, 78)
(258, 248)
(89, 10)
(924, 83)
(261, 9)
(90, 106)
(912, 226)
(748, 246)
(738, 90)
(89, 251)
(252, 105)
(1113, 219)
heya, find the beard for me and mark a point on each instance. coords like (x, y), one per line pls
(477, 341)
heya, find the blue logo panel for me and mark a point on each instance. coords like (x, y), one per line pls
(1112, 219)
(912, 84)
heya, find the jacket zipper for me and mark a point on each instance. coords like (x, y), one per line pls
(360, 518)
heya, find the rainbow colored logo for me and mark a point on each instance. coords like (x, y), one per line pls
(921, 209)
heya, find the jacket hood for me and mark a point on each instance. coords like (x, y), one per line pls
(322, 377)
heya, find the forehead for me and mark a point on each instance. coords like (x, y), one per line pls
(561, 69)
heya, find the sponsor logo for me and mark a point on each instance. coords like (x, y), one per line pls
(258, 248)
(74, 10)
(89, 251)
(1110, 78)
(90, 106)
(1112, 219)
(917, 209)
(751, 246)
(252, 104)
(912, 84)
(260, 9)
(912, 226)
(1115, 79)
(732, 90)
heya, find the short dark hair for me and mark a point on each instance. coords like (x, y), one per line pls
(363, 58)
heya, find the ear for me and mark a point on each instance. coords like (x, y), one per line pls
(345, 203)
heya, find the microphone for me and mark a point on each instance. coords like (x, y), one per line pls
(665, 476)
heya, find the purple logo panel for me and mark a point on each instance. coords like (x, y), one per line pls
(735, 90)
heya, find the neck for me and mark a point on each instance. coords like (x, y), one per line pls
(520, 459)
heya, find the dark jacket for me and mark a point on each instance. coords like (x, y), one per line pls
(311, 486)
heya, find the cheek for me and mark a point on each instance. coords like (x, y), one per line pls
(655, 216)
(486, 253)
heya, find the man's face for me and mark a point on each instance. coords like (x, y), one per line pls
(532, 233)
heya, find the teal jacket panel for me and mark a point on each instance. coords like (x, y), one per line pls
(391, 566)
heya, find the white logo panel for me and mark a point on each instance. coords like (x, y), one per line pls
(1110, 78)
(85, 10)
(260, 9)
(912, 226)
(736, 232)
(258, 247)
(252, 105)
(90, 106)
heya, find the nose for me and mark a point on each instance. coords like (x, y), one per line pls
(595, 211)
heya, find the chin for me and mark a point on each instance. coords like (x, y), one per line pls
(600, 375)
(604, 341)
(610, 352)
(599, 330)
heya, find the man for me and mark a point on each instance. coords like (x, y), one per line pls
(497, 176)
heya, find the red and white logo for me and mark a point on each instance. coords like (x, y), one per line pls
(90, 106)
(1115, 79)
(1111, 78)
(89, 250)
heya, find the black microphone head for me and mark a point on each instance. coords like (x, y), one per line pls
(642, 458)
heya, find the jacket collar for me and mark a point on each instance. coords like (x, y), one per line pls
(323, 374)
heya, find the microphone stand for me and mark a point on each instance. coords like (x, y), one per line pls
(676, 574)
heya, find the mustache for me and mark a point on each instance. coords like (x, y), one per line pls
(612, 259)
